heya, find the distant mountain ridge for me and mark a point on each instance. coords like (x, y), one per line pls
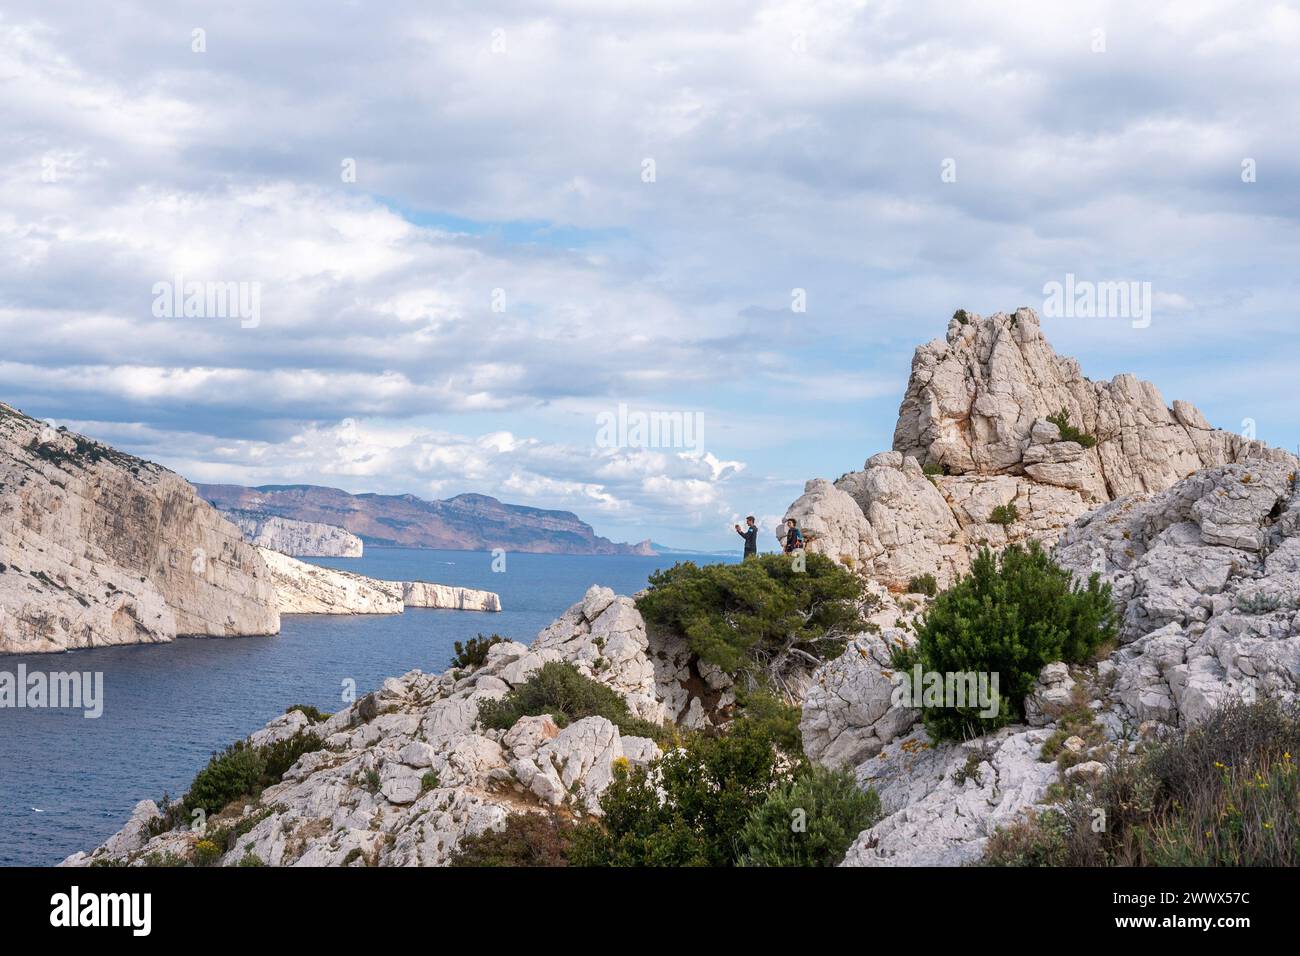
(467, 522)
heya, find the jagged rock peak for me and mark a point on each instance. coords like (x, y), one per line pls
(977, 402)
(976, 462)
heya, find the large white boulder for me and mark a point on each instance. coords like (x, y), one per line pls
(849, 712)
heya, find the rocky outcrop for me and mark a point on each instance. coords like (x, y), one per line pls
(303, 588)
(448, 596)
(850, 712)
(1197, 530)
(1207, 575)
(977, 403)
(303, 539)
(976, 463)
(463, 523)
(100, 548)
(892, 523)
(942, 803)
(405, 773)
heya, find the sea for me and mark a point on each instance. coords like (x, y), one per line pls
(68, 782)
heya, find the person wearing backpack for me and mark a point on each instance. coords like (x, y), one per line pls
(793, 536)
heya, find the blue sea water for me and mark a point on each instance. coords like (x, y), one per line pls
(67, 782)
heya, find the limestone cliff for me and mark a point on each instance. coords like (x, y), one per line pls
(304, 588)
(98, 548)
(977, 463)
(304, 539)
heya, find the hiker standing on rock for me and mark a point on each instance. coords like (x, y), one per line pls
(793, 536)
(750, 534)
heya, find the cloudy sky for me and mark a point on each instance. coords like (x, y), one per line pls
(474, 227)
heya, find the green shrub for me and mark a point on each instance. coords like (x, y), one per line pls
(811, 821)
(241, 770)
(932, 469)
(561, 690)
(229, 775)
(1068, 432)
(923, 584)
(689, 807)
(167, 859)
(527, 839)
(1004, 515)
(429, 781)
(1040, 839)
(206, 853)
(1246, 818)
(1010, 617)
(283, 754)
(767, 716)
(313, 714)
(251, 859)
(761, 619)
(473, 653)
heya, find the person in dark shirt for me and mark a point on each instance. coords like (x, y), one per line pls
(750, 534)
(793, 536)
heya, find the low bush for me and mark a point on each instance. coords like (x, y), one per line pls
(561, 690)
(313, 714)
(1010, 616)
(473, 653)
(923, 584)
(527, 839)
(241, 770)
(206, 853)
(721, 799)
(1224, 793)
(1005, 515)
(687, 808)
(1040, 839)
(1068, 432)
(811, 821)
(231, 774)
(760, 620)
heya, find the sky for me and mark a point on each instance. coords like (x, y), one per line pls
(459, 237)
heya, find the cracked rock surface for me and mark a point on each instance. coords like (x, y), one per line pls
(100, 548)
(972, 436)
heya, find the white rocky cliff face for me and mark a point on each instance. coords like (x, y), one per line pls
(303, 539)
(100, 548)
(973, 444)
(304, 588)
(977, 403)
(1208, 578)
